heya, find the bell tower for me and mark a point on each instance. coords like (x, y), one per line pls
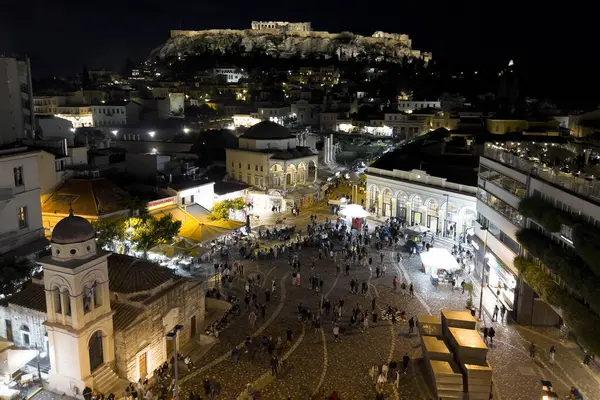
(79, 316)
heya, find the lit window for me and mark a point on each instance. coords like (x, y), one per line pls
(22, 217)
(18, 176)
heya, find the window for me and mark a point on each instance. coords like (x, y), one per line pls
(22, 217)
(239, 165)
(57, 300)
(18, 175)
(261, 168)
(25, 334)
(248, 166)
(256, 167)
(67, 303)
(232, 164)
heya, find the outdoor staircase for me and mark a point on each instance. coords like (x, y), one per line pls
(107, 381)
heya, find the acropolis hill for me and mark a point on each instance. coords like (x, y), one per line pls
(291, 39)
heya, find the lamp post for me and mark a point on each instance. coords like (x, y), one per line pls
(483, 228)
(446, 216)
(172, 335)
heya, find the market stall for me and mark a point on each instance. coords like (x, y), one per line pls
(354, 215)
(438, 263)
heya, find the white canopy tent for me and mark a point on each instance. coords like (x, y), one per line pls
(354, 211)
(417, 229)
(437, 258)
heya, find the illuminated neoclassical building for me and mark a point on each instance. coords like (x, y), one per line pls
(427, 183)
(268, 157)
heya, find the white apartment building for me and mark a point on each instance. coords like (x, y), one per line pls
(305, 113)
(116, 113)
(16, 100)
(20, 206)
(277, 114)
(231, 74)
(410, 106)
(506, 177)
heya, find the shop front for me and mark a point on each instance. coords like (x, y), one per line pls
(498, 278)
(501, 281)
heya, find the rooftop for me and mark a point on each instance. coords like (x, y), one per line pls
(132, 275)
(455, 164)
(222, 188)
(88, 197)
(267, 130)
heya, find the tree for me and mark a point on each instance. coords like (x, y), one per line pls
(468, 286)
(154, 231)
(138, 208)
(13, 274)
(221, 209)
(110, 230)
(85, 77)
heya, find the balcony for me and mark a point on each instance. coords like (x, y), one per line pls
(589, 188)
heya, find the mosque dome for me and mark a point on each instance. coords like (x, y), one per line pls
(73, 229)
(267, 130)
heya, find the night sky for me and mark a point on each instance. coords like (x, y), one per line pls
(61, 35)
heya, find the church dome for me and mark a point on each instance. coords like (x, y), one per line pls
(267, 130)
(73, 229)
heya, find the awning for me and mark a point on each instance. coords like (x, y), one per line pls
(438, 258)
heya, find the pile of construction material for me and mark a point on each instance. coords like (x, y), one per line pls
(455, 356)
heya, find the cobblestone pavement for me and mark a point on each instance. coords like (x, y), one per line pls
(318, 365)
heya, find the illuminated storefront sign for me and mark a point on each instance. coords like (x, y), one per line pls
(168, 201)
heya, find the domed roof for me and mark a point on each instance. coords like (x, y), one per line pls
(267, 130)
(73, 229)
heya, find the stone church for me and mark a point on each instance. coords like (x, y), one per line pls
(101, 317)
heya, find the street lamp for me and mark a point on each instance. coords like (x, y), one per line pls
(72, 129)
(483, 228)
(186, 130)
(151, 134)
(172, 335)
(115, 132)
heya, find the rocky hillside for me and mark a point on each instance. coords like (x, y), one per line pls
(343, 46)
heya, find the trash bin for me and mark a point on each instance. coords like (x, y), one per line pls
(473, 311)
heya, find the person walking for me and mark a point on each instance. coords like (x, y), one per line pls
(532, 350)
(352, 284)
(395, 282)
(274, 364)
(552, 354)
(405, 362)
(289, 336)
(491, 334)
(252, 319)
(411, 326)
(486, 332)
(365, 322)
(347, 269)
(495, 314)
(336, 333)
(411, 290)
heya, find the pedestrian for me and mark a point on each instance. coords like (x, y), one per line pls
(252, 319)
(274, 363)
(365, 323)
(552, 354)
(411, 326)
(289, 336)
(495, 314)
(405, 361)
(586, 358)
(377, 271)
(385, 370)
(491, 334)
(502, 311)
(267, 296)
(352, 284)
(395, 282)
(486, 332)
(411, 290)
(532, 350)
(336, 333)
(373, 303)
(403, 287)
(462, 284)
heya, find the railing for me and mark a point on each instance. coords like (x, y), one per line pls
(575, 184)
(501, 207)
